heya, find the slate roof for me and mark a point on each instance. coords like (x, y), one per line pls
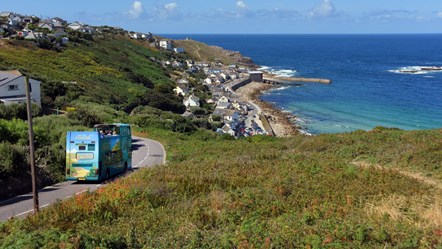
(7, 76)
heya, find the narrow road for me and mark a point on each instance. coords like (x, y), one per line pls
(146, 153)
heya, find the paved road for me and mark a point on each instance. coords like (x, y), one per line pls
(147, 153)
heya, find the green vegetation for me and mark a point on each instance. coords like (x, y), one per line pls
(260, 192)
(112, 70)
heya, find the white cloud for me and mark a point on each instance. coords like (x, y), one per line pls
(137, 9)
(439, 14)
(324, 9)
(241, 4)
(171, 6)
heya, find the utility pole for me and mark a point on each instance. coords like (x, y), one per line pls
(31, 146)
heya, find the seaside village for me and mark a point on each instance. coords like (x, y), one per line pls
(239, 118)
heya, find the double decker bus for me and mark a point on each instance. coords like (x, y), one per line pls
(99, 154)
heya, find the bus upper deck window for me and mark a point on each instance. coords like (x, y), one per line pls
(82, 147)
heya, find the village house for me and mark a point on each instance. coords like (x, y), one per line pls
(207, 81)
(46, 25)
(192, 101)
(13, 88)
(223, 105)
(59, 33)
(22, 33)
(183, 81)
(27, 20)
(228, 130)
(76, 26)
(223, 99)
(58, 22)
(177, 64)
(181, 90)
(166, 45)
(34, 35)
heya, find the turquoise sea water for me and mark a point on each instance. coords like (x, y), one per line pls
(368, 90)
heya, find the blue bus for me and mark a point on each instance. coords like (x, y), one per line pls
(99, 154)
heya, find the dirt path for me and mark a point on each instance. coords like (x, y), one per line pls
(416, 176)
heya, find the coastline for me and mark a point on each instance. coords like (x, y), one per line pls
(281, 122)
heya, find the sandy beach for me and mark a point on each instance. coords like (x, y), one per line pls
(280, 121)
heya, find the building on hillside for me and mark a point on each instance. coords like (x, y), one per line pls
(192, 101)
(13, 88)
(181, 90)
(76, 26)
(46, 25)
(256, 76)
(166, 45)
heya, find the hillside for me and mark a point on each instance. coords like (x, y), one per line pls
(261, 192)
(111, 69)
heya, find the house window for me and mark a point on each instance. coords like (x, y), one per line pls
(13, 87)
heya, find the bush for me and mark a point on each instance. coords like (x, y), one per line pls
(12, 159)
(18, 111)
(86, 117)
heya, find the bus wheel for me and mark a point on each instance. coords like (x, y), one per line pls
(125, 167)
(107, 174)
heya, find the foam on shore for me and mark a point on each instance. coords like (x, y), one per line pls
(280, 72)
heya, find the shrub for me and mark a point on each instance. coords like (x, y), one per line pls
(18, 111)
(12, 159)
(85, 116)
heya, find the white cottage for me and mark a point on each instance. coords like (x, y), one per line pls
(192, 101)
(13, 88)
(166, 45)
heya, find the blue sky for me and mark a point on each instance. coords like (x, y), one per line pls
(245, 16)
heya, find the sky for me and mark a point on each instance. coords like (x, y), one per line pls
(245, 16)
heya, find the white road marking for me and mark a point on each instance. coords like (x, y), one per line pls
(145, 158)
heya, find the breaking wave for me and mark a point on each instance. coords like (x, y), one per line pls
(280, 72)
(417, 70)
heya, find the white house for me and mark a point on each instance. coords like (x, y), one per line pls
(228, 130)
(181, 90)
(192, 101)
(223, 105)
(13, 88)
(46, 25)
(34, 35)
(166, 45)
(208, 81)
(78, 26)
(223, 99)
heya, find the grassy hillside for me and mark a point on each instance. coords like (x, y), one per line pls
(302, 192)
(203, 52)
(112, 69)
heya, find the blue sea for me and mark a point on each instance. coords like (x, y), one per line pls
(375, 81)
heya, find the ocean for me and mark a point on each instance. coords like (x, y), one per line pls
(378, 80)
